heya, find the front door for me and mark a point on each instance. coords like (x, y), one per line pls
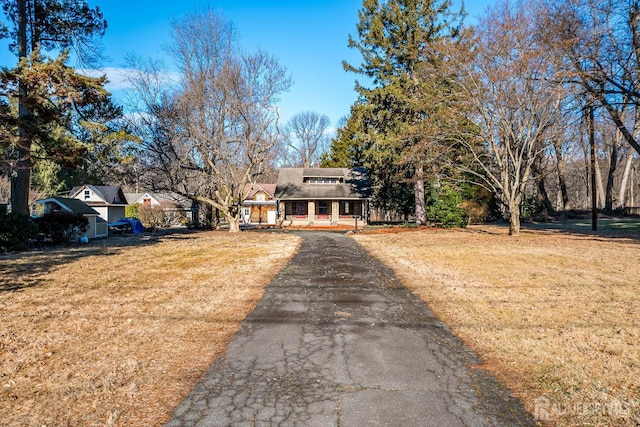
(246, 215)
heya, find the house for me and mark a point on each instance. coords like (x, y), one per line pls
(322, 196)
(259, 207)
(143, 199)
(97, 226)
(108, 200)
(174, 204)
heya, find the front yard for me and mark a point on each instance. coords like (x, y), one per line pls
(555, 316)
(117, 333)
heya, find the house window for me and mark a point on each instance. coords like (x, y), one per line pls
(323, 207)
(87, 194)
(296, 208)
(260, 197)
(321, 180)
(146, 201)
(350, 208)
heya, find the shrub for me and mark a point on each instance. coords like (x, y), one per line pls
(61, 227)
(131, 211)
(16, 231)
(479, 204)
(152, 216)
(531, 207)
(444, 207)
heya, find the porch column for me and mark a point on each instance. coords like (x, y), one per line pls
(311, 211)
(335, 211)
(364, 210)
(281, 212)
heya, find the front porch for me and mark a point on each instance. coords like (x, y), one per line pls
(322, 212)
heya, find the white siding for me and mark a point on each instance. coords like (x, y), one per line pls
(103, 211)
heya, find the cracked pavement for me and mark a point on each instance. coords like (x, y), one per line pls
(337, 341)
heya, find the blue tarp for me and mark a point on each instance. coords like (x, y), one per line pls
(136, 225)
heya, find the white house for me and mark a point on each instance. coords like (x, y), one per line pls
(171, 203)
(108, 200)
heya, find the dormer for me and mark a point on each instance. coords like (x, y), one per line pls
(323, 179)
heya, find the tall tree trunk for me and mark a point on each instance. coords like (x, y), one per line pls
(561, 166)
(632, 187)
(514, 218)
(613, 165)
(587, 176)
(543, 197)
(21, 175)
(599, 186)
(234, 223)
(625, 180)
(216, 219)
(418, 188)
(195, 213)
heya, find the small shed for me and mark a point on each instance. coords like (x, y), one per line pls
(97, 226)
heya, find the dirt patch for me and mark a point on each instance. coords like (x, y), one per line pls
(118, 335)
(554, 316)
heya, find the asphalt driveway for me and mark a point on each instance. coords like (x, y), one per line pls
(337, 341)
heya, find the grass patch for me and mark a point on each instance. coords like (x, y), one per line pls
(554, 316)
(106, 334)
(608, 225)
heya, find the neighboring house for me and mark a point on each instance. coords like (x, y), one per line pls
(97, 226)
(143, 199)
(171, 202)
(259, 207)
(108, 200)
(322, 196)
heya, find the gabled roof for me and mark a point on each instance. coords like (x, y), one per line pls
(132, 198)
(251, 189)
(291, 186)
(111, 194)
(71, 205)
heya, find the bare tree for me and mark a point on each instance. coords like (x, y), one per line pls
(515, 95)
(208, 135)
(306, 138)
(601, 41)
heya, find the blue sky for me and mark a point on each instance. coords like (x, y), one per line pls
(308, 37)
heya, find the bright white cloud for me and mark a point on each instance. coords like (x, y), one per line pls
(117, 77)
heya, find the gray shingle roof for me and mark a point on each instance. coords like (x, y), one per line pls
(74, 205)
(291, 186)
(111, 194)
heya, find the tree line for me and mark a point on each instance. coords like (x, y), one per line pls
(205, 131)
(510, 105)
(512, 111)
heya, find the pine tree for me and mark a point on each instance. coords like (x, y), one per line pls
(50, 96)
(345, 150)
(398, 41)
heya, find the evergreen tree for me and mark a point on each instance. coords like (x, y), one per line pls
(46, 100)
(404, 109)
(345, 150)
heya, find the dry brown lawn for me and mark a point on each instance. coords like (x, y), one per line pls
(118, 333)
(555, 316)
